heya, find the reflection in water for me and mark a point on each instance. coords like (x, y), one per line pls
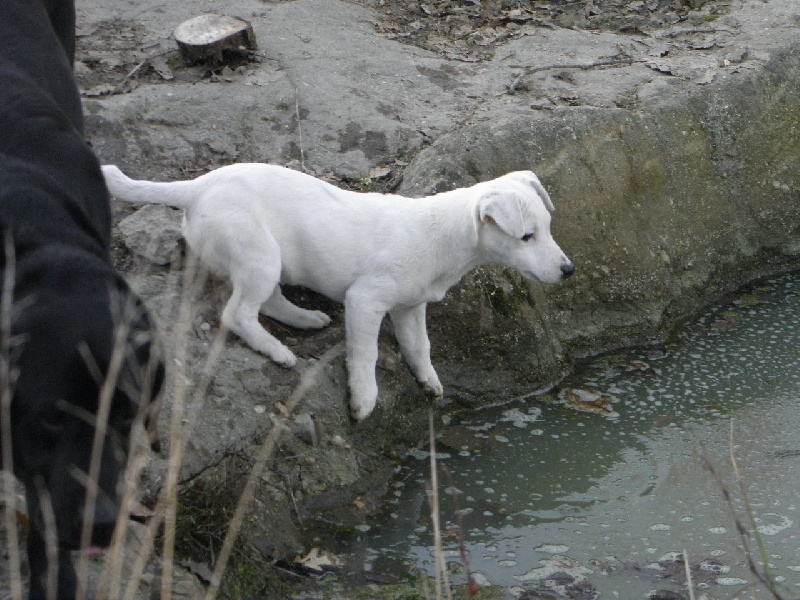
(537, 479)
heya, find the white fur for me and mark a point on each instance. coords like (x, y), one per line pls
(264, 225)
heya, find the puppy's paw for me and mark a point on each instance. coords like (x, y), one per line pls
(431, 386)
(362, 406)
(283, 357)
(318, 319)
(305, 319)
(434, 391)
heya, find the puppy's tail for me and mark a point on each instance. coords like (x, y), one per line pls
(179, 194)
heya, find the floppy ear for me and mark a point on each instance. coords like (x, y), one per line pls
(503, 209)
(530, 178)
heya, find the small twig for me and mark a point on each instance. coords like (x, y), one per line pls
(472, 587)
(108, 387)
(741, 529)
(442, 580)
(294, 504)
(50, 539)
(689, 584)
(585, 67)
(299, 131)
(767, 577)
(210, 465)
(264, 56)
(6, 449)
(177, 428)
(678, 32)
(136, 69)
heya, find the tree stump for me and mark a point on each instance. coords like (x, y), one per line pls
(207, 37)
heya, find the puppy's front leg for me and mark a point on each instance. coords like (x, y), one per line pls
(362, 318)
(412, 335)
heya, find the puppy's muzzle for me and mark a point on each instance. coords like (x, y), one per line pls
(567, 270)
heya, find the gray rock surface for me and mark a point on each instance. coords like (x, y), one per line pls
(153, 232)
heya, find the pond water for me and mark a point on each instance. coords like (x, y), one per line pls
(614, 497)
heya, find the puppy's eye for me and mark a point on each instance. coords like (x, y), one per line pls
(527, 237)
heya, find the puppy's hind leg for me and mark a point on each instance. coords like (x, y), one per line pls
(238, 246)
(412, 336)
(280, 309)
(252, 286)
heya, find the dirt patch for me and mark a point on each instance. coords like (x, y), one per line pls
(111, 59)
(471, 30)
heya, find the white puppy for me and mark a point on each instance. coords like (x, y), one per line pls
(264, 225)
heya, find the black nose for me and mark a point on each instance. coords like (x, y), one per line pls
(567, 270)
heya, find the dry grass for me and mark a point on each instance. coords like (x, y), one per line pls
(122, 574)
(9, 500)
(746, 525)
(442, 581)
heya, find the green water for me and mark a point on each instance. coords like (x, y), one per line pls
(533, 481)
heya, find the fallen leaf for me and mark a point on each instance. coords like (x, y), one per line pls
(589, 401)
(318, 561)
(160, 66)
(638, 365)
(378, 172)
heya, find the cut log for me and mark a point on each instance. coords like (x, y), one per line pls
(207, 37)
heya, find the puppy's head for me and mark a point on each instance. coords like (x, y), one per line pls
(85, 367)
(514, 228)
